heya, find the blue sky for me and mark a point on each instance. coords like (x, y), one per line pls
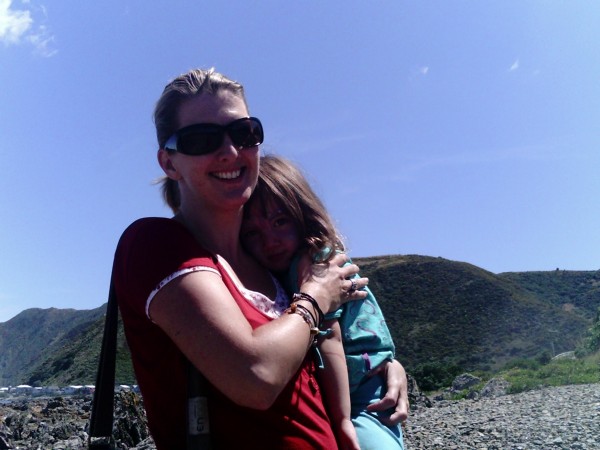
(462, 129)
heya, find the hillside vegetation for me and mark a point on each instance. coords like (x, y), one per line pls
(454, 313)
(37, 332)
(576, 291)
(76, 361)
(443, 315)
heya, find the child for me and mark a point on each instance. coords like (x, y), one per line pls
(284, 222)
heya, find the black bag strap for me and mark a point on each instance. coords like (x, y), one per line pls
(198, 434)
(101, 419)
(102, 415)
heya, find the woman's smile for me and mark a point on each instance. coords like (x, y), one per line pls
(228, 175)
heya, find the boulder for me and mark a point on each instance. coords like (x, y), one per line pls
(565, 355)
(496, 387)
(416, 398)
(464, 381)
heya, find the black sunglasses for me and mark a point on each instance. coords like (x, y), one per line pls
(204, 138)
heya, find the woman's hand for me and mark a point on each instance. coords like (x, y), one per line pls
(329, 282)
(396, 396)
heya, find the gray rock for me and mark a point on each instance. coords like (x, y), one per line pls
(62, 423)
(496, 387)
(416, 398)
(464, 381)
(565, 417)
(565, 355)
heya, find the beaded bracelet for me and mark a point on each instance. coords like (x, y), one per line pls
(303, 312)
(315, 305)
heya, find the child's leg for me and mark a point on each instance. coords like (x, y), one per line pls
(372, 434)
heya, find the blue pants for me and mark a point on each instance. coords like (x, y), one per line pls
(372, 434)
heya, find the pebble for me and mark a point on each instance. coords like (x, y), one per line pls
(564, 417)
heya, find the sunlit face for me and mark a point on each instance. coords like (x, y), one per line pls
(223, 179)
(271, 238)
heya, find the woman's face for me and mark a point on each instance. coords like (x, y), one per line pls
(223, 179)
(270, 236)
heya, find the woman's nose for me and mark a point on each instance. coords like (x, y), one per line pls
(227, 148)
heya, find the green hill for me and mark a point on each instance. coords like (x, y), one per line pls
(76, 361)
(438, 311)
(34, 333)
(455, 313)
(577, 291)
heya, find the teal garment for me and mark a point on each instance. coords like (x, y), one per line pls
(365, 336)
(373, 434)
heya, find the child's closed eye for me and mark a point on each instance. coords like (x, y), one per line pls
(281, 221)
(249, 234)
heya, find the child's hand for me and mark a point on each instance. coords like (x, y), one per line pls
(396, 396)
(347, 436)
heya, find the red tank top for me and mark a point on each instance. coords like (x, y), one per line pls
(150, 251)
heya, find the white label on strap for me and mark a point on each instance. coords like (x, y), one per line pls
(198, 416)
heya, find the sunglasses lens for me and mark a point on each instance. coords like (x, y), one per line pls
(200, 142)
(246, 133)
(201, 139)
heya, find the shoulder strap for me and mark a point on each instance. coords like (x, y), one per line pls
(101, 419)
(198, 433)
(102, 415)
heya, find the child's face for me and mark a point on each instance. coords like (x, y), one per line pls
(272, 238)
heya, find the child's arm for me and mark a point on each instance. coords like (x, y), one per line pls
(333, 379)
(336, 390)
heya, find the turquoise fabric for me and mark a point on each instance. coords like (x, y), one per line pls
(367, 343)
(365, 335)
(372, 434)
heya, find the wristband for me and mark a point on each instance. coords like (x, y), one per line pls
(303, 312)
(304, 296)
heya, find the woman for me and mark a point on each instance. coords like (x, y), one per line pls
(188, 291)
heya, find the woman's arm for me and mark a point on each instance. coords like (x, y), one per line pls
(333, 378)
(250, 366)
(397, 393)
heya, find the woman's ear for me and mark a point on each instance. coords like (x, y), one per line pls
(166, 163)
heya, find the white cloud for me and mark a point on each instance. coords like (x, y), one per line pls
(514, 66)
(13, 23)
(418, 72)
(17, 26)
(43, 42)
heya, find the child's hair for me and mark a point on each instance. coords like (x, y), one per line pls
(281, 181)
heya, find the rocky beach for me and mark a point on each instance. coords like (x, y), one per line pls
(566, 417)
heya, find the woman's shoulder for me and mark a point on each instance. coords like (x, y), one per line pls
(158, 237)
(153, 249)
(151, 228)
(149, 224)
